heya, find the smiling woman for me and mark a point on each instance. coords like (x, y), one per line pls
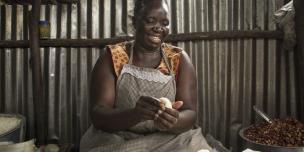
(126, 87)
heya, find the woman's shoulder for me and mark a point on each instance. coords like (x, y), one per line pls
(119, 55)
(171, 49)
(173, 54)
(118, 47)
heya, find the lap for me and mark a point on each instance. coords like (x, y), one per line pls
(99, 141)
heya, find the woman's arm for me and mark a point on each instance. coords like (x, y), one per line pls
(102, 98)
(186, 92)
(184, 118)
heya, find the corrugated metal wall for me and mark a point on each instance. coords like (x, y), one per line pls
(232, 75)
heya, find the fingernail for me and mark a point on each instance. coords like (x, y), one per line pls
(156, 116)
(159, 112)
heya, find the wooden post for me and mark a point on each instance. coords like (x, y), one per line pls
(194, 36)
(38, 90)
(299, 54)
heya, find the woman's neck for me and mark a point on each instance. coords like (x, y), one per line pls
(143, 52)
(146, 58)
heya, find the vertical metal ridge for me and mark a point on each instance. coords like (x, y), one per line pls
(19, 61)
(83, 69)
(7, 55)
(69, 100)
(272, 65)
(12, 59)
(89, 8)
(2, 17)
(107, 18)
(113, 17)
(73, 81)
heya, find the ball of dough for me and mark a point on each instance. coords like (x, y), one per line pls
(166, 102)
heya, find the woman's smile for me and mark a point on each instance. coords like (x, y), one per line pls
(155, 39)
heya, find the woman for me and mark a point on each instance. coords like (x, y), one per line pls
(127, 84)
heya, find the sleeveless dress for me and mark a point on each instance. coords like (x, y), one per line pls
(132, 83)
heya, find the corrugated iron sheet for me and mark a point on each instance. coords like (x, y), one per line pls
(232, 75)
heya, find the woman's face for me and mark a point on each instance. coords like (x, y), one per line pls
(152, 26)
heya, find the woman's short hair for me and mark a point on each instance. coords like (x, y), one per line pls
(140, 4)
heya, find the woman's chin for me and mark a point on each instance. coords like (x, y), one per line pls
(154, 47)
(149, 44)
(153, 44)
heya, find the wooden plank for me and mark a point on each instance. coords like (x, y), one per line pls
(38, 90)
(28, 2)
(194, 36)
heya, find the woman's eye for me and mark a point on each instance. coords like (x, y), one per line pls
(165, 23)
(149, 20)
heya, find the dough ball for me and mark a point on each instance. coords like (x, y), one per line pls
(166, 102)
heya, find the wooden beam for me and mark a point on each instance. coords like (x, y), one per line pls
(171, 38)
(29, 2)
(299, 56)
(224, 35)
(38, 90)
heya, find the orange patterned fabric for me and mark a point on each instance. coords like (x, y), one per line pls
(120, 57)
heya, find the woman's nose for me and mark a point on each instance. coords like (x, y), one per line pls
(158, 28)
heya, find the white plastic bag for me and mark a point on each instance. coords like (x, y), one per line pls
(27, 146)
(284, 18)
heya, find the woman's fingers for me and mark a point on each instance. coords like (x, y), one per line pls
(165, 122)
(160, 126)
(146, 114)
(151, 100)
(170, 115)
(152, 108)
(168, 118)
(172, 112)
(177, 104)
(147, 105)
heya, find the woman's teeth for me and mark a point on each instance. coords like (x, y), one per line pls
(155, 38)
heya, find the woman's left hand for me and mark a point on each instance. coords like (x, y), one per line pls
(169, 117)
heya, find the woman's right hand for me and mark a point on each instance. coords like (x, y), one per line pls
(148, 108)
